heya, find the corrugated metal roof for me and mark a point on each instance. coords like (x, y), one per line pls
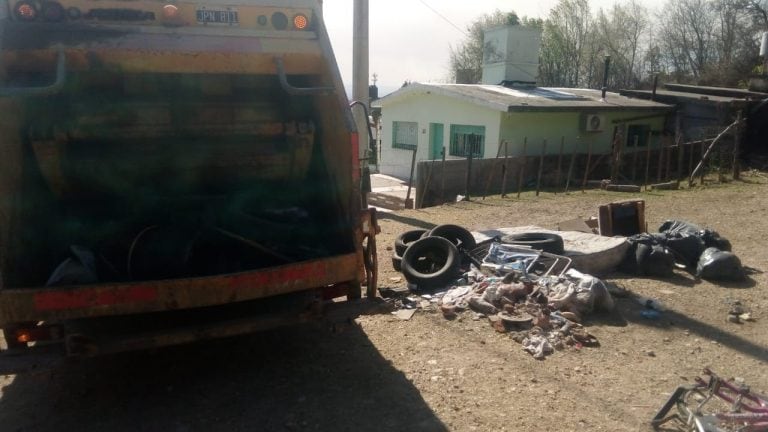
(526, 98)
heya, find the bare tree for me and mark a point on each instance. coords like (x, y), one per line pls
(621, 33)
(688, 35)
(565, 44)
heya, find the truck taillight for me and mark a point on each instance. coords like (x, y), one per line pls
(36, 333)
(53, 12)
(279, 21)
(25, 11)
(300, 22)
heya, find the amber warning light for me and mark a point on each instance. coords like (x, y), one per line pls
(300, 22)
(26, 11)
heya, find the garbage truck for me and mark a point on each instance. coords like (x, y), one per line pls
(172, 171)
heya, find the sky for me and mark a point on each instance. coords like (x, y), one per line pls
(408, 41)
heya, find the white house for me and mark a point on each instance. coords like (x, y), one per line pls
(428, 117)
(480, 117)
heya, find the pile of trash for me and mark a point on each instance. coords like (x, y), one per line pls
(682, 244)
(543, 316)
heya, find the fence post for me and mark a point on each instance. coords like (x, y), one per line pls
(647, 161)
(504, 169)
(660, 169)
(586, 170)
(570, 170)
(559, 179)
(410, 179)
(737, 149)
(523, 167)
(541, 167)
(467, 191)
(635, 142)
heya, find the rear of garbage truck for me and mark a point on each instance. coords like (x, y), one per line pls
(171, 171)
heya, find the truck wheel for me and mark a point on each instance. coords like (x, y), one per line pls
(431, 262)
(457, 235)
(545, 242)
(405, 239)
(397, 262)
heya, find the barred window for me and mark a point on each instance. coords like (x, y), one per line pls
(405, 135)
(639, 132)
(467, 139)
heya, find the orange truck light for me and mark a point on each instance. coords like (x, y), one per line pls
(300, 22)
(25, 11)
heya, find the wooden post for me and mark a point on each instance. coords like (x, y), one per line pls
(492, 171)
(504, 171)
(647, 162)
(636, 141)
(703, 154)
(541, 167)
(442, 177)
(660, 169)
(617, 150)
(691, 147)
(586, 170)
(570, 170)
(737, 149)
(558, 177)
(708, 151)
(425, 188)
(668, 156)
(521, 179)
(410, 179)
(679, 141)
(468, 185)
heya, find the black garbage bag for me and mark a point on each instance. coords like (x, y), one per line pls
(716, 264)
(686, 247)
(710, 237)
(681, 227)
(647, 256)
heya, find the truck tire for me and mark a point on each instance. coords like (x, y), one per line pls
(406, 238)
(459, 236)
(431, 262)
(545, 242)
(397, 261)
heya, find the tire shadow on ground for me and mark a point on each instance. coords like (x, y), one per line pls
(305, 378)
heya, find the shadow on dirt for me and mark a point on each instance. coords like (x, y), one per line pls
(669, 319)
(417, 223)
(293, 379)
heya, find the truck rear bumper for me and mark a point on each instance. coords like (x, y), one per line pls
(48, 357)
(55, 304)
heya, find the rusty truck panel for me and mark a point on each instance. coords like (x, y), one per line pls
(172, 171)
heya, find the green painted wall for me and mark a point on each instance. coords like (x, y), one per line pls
(553, 126)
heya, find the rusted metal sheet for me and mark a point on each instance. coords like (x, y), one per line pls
(18, 305)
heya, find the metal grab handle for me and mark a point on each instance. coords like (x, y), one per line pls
(298, 91)
(61, 77)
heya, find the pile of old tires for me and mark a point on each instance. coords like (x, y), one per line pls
(432, 258)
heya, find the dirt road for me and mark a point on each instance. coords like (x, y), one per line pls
(429, 374)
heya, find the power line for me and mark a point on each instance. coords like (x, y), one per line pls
(444, 18)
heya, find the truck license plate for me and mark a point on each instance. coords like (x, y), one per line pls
(217, 16)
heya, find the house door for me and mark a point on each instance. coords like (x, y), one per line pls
(435, 141)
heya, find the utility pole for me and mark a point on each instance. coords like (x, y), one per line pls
(360, 70)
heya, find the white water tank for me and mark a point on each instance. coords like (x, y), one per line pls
(511, 53)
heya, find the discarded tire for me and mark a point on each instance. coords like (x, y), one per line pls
(546, 242)
(405, 239)
(431, 262)
(460, 237)
(397, 262)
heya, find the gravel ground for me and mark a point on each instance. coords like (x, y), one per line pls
(430, 374)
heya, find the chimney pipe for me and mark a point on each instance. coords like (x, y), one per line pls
(605, 74)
